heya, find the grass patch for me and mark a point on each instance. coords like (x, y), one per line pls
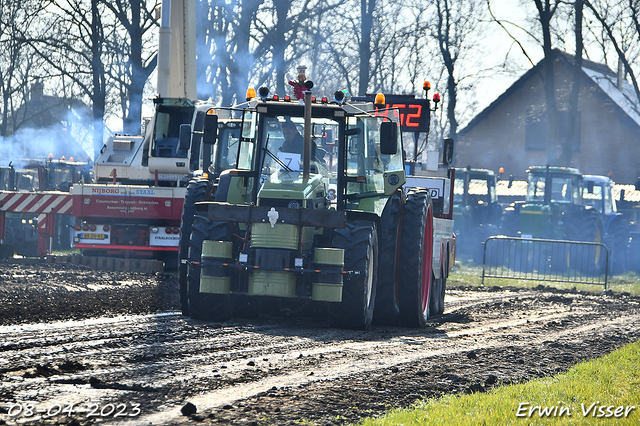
(612, 381)
(468, 274)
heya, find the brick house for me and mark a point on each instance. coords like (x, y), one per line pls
(511, 132)
(47, 125)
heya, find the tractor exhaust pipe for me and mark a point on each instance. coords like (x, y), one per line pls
(306, 153)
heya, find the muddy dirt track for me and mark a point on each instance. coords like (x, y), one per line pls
(81, 347)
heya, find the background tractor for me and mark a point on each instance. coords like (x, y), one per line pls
(476, 210)
(599, 194)
(331, 228)
(554, 209)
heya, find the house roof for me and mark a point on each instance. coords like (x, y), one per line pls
(598, 74)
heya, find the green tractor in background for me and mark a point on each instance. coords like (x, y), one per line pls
(327, 227)
(476, 211)
(554, 209)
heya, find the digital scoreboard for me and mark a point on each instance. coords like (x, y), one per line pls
(414, 113)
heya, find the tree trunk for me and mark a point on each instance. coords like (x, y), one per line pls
(98, 78)
(545, 14)
(573, 134)
(133, 119)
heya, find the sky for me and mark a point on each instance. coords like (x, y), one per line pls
(498, 45)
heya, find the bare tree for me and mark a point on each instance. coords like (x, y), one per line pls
(18, 67)
(573, 113)
(132, 50)
(618, 43)
(74, 49)
(224, 32)
(455, 30)
(546, 10)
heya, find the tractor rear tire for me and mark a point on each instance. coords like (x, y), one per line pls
(509, 223)
(587, 260)
(416, 252)
(617, 240)
(360, 243)
(197, 190)
(387, 306)
(206, 306)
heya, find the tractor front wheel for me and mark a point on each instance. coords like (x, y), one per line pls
(360, 243)
(387, 307)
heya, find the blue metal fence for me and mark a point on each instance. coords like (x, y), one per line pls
(545, 260)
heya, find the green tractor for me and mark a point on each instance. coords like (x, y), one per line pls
(554, 209)
(476, 210)
(313, 216)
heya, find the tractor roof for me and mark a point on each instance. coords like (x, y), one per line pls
(474, 171)
(554, 169)
(606, 180)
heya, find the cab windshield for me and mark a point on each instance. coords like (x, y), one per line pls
(564, 189)
(283, 142)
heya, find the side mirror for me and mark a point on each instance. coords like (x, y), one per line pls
(388, 138)
(447, 152)
(638, 185)
(185, 137)
(590, 187)
(210, 129)
(510, 181)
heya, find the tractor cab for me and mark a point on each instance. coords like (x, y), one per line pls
(476, 210)
(7, 178)
(342, 157)
(553, 207)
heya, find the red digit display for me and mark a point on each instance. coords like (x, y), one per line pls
(413, 119)
(413, 112)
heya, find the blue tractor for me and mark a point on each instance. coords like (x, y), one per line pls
(598, 193)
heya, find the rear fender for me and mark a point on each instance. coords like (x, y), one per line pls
(353, 215)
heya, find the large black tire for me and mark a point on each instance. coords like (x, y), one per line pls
(416, 252)
(587, 260)
(206, 306)
(387, 306)
(617, 239)
(360, 243)
(509, 223)
(197, 190)
(633, 253)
